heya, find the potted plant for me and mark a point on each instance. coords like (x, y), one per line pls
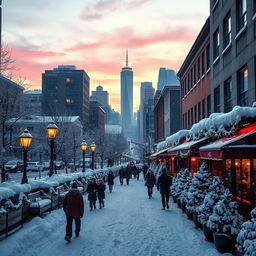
(205, 210)
(175, 187)
(184, 192)
(246, 239)
(225, 222)
(197, 191)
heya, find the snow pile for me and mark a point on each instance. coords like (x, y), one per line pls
(225, 217)
(216, 191)
(216, 125)
(198, 189)
(246, 238)
(10, 189)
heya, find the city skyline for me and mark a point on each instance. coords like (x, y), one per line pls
(93, 35)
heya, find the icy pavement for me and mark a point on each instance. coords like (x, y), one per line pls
(129, 225)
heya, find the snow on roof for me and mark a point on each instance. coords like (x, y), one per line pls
(34, 92)
(214, 126)
(187, 145)
(10, 189)
(46, 119)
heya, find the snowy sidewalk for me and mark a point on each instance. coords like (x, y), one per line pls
(130, 225)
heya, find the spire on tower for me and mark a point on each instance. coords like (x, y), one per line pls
(126, 57)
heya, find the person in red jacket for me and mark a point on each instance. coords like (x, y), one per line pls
(73, 206)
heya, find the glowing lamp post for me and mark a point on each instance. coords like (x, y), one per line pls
(25, 141)
(52, 131)
(83, 148)
(93, 148)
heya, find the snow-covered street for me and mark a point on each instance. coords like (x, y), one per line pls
(129, 225)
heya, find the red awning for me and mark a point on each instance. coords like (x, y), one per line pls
(224, 147)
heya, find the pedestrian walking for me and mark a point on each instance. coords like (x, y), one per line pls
(145, 170)
(92, 193)
(128, 173)
(163, 184)
(150, 182)
(73, 206)
(121, 175)
(110, 179)
(101, 193)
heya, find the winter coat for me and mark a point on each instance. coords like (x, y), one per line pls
(150, 179)
(122, 172)
(101, 191)
(92, 190)
(164, 182)
(111, 178)
(145, 169)
(128, 172)
(73, 203)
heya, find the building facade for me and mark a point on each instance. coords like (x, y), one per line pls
(65, 92)
(233, 53)
(32, 102)
(97, 116)
(167, 113)
(194, 76)
(126, 96)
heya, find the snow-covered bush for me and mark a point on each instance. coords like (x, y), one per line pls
(216, 191)
(225, 217)
(246, 238)
(184, 193)
(198, 188)
(179, 182)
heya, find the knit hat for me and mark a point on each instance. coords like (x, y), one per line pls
(74, 185)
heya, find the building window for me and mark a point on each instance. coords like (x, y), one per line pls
(192, 116)
(198, 69)
(228, 95)
(208, 56)
(188, 119)
(202, 65)
(241, 14)
(226, 31)
(194, 74)
(254, 6)
(191, 78)
(68, 80)
(217, 99)
(203, 108)
(188, 82)
(195, 115)
(242, 86)
(199, 111)
(216, 44)
(208, 105)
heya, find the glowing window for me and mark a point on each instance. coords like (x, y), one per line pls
(68, 80)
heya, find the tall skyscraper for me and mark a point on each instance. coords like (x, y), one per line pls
(65, 92)
(101, 96)
(166, 77)
(126, 96)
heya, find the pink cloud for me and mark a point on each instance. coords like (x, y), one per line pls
(35, 54)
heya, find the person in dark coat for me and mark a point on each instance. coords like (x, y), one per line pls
(121, 175)
(164, 182)
(128, 173)
(111, 178)
(73, 206)
(150, 182)
(101, 193)
(145, 170)
(92, 193)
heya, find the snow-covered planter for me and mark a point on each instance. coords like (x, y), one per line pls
(198, 189)
(225, 223)
(246, 239)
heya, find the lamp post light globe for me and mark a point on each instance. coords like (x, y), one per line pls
(93, 148)
(83, 148)
(25, 141)
(52, 131)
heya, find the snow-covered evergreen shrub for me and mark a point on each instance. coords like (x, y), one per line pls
(216, 191)
(225, 217)
(198, 188)
(246, 238)
(179, 182)
(184, 193)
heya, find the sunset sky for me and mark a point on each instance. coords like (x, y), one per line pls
(93, 35)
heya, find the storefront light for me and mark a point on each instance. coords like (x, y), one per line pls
(193, 159)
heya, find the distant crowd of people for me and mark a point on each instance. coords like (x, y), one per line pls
(73, 203)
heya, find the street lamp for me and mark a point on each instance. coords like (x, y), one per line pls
(83, 147)
(25, 141)
(93, 148)
(52, 131)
